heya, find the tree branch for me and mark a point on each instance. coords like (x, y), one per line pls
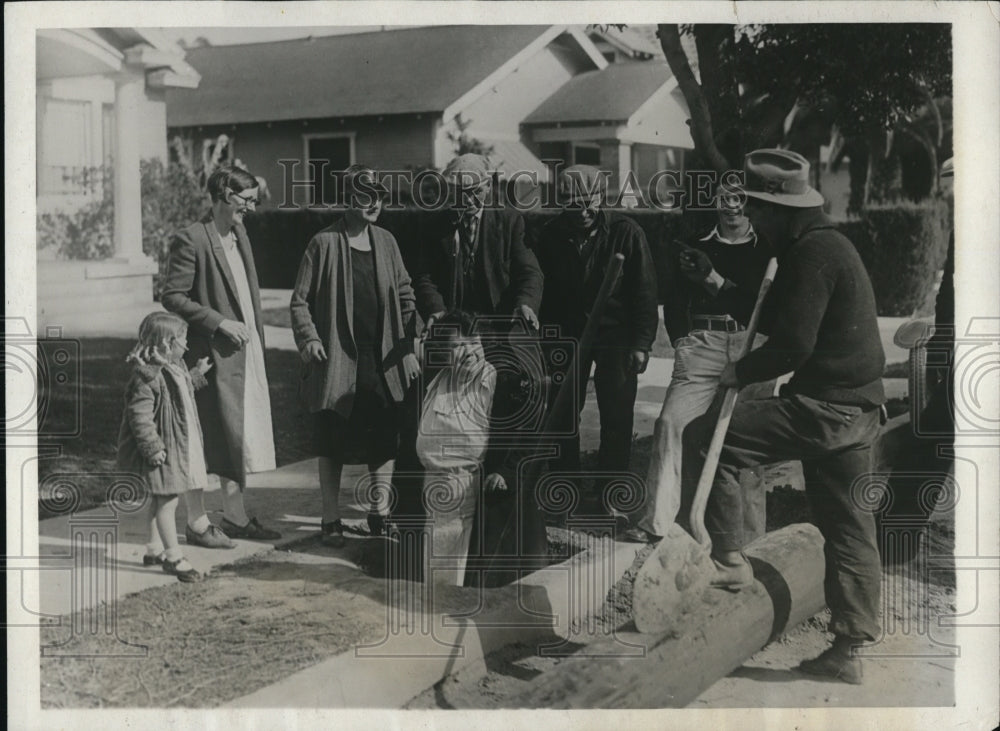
(701, 117)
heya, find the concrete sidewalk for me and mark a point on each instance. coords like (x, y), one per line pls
(286, 499)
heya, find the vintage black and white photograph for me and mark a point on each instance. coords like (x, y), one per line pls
(476, 361)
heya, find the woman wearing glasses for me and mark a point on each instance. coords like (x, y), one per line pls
(354, 321)
(211, 282)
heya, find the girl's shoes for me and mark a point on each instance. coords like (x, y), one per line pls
(381, 525)
(332, 534)
(188, 576)
(154, 560)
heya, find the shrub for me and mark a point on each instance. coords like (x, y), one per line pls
(87, 233)
(902, 246)
(171, 200)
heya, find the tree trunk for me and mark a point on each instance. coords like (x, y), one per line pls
(857, 169)
(885, 175)
(714, 44)
(701, 117)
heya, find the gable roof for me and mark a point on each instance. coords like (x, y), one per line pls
(639, 42)
(612, 94)
(405, 71)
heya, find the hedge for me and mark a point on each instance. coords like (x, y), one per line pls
(903, 246)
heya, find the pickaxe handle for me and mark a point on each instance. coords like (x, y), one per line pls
(725, 414)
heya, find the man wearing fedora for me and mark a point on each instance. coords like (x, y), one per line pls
(473, 256)
(575, 249)
(822, 325)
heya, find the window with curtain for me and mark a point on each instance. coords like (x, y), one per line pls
(65, 153)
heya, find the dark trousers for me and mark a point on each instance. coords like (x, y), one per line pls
(834, 442)
(616, 385)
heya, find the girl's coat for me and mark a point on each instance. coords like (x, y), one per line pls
(154, 420)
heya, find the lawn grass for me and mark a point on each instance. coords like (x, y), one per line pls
(85, 458)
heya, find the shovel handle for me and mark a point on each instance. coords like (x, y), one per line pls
(700, 501)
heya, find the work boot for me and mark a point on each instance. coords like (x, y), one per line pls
(836, 662)
(732, 576)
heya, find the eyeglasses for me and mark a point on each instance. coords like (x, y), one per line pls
(244, 199)
(578, 204)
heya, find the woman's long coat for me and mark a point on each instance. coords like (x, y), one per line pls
(199, 287)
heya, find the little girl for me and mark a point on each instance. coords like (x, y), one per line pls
(160, 438)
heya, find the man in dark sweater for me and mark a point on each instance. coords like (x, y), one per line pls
(574, 250)
(823, 326)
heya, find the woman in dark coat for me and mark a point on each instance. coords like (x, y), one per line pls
(211, 282)
(354, 321)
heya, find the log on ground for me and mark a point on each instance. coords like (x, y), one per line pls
(716, 638)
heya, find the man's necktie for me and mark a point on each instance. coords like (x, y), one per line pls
(469, 226)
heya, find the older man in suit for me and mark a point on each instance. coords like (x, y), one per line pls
(473, 256)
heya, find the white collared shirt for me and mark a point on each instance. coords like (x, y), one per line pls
(715, 281)
(746, 238)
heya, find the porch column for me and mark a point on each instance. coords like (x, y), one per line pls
(616, 156)
(624, 162)
(129, 94)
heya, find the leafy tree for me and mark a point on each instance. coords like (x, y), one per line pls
(874, 90)
(466, 143)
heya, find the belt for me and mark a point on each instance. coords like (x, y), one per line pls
(715, 322)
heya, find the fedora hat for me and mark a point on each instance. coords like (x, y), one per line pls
(781, 177)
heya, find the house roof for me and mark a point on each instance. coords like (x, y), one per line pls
(72, 52)
(405, 71)
(637, 41)
(612, 94)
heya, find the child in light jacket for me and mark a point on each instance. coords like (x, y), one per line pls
(160, 439)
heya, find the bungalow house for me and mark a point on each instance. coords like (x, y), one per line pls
(398, 99)
(627, 118)
(100, 108)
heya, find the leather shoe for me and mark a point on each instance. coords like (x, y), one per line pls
(732, 577)
(211, 538)
(149, 559)
(188, 576)
(635, 534)
(381, 525)
(834, 663)
(332, 534)
(252, 530)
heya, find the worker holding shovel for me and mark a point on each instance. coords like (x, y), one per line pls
(824, 328)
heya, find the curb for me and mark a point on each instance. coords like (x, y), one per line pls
(548, 606)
